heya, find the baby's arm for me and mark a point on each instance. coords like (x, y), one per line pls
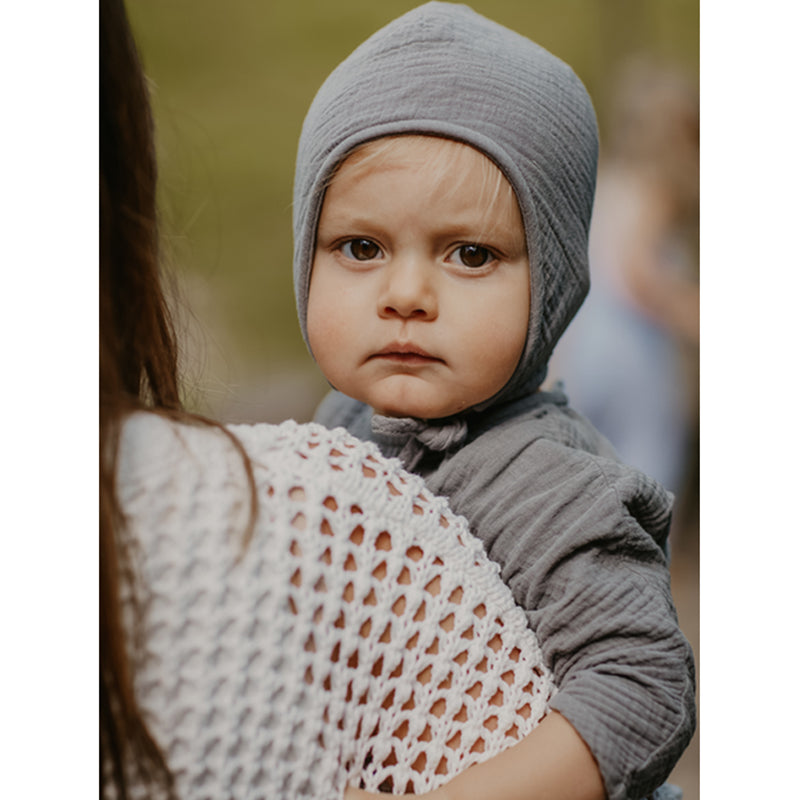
(550, 763)
(579, 542)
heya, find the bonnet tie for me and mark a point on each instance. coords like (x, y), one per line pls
(407, 438)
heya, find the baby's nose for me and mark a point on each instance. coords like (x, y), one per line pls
(409, 290)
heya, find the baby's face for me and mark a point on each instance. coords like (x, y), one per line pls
(419, 296)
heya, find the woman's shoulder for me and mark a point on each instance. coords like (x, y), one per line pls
(189, 464)
(152, 441)
(184, 489)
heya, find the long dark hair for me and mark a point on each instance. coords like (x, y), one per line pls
(138, 370)
(138, 367)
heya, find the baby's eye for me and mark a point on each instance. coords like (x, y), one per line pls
(472, 255)
(361, 249)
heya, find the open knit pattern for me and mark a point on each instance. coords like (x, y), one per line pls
(362, 636)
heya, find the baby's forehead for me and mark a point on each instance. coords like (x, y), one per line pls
(460, 166)
(414, 149)
(453, 180)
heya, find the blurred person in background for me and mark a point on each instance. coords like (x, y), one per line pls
(629, 360)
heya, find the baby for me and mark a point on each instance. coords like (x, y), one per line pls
(443, 193)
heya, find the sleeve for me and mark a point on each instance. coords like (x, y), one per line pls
(579, 541)
(361, 635)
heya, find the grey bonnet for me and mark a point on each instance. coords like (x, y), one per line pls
(442, 69)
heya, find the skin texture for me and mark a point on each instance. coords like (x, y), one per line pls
(419, 295)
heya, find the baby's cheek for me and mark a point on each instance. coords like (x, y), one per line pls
(328, 340)
(496, 359)
(319, 337)
(313, 329)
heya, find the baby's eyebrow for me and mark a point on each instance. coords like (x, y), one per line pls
(479, 232)
(345, 219)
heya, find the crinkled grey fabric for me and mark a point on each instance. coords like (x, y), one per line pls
(443, 69)
(415, 437)
(580, 539)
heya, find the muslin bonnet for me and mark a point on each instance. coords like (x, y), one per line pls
(442, 69)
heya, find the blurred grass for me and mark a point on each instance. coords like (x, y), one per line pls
(231, 82)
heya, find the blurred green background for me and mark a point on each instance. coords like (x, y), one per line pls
(231, 82)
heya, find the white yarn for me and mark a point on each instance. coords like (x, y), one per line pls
(362, 636)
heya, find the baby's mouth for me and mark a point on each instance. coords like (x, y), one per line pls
(405, 353)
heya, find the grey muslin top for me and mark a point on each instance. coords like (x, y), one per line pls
(580, 538)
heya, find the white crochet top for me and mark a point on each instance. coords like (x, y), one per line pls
(362, 636)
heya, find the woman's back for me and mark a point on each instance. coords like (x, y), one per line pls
(360, 632)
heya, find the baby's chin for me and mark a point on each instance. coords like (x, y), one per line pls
(414, 396)
(424, 411)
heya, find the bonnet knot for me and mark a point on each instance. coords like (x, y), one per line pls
(407, 438)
